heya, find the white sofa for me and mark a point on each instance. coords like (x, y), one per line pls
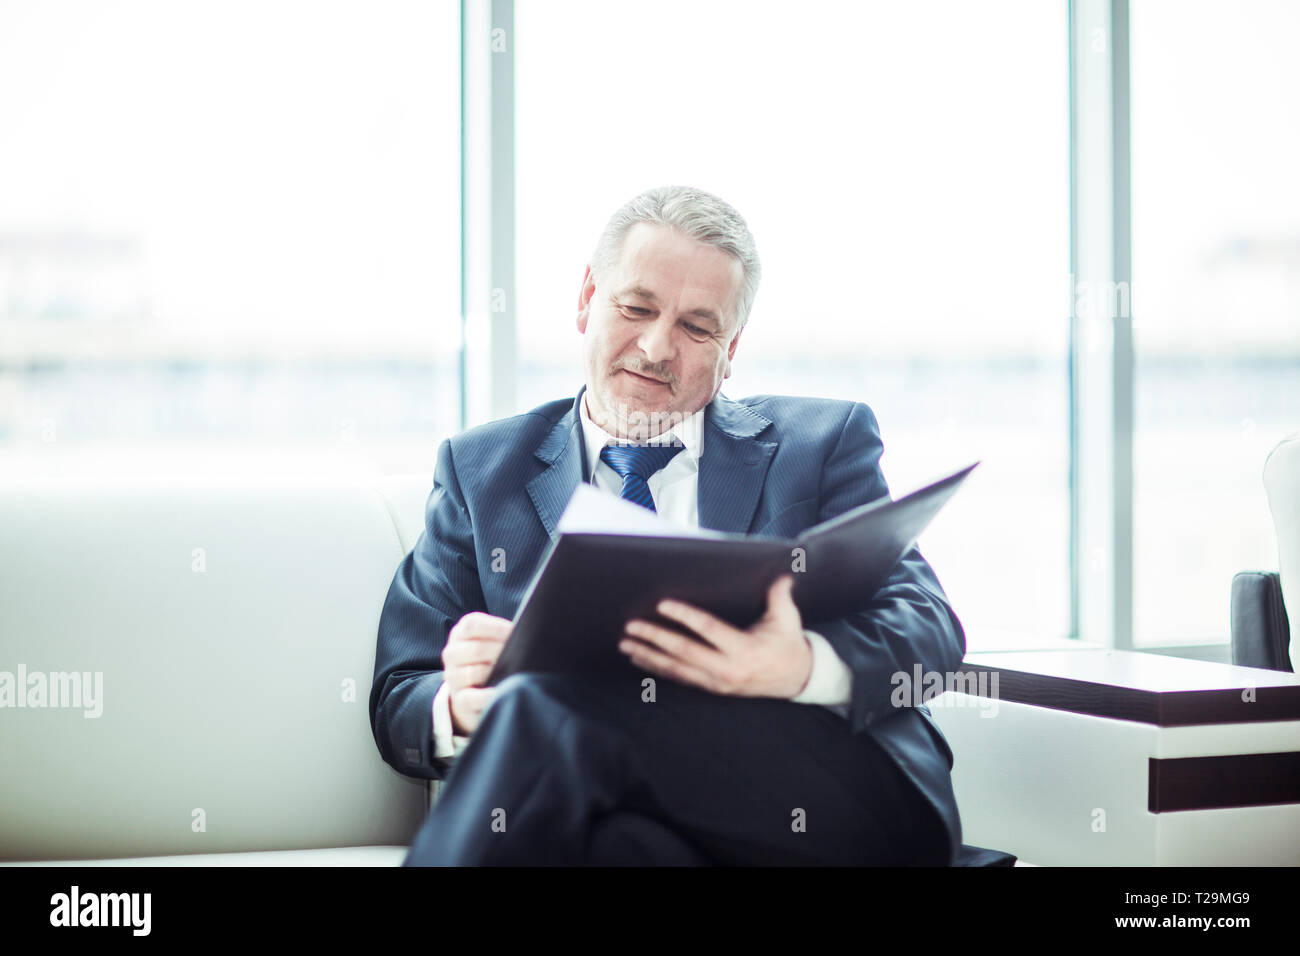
(233, 625)
(229, 627)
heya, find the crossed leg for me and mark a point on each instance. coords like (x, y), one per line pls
(565, 770)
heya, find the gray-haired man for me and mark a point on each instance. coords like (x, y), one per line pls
(773, 744)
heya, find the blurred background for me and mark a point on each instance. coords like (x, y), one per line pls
(305, 237)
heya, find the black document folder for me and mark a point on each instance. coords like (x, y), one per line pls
(614, 560)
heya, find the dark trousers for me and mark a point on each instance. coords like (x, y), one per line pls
(566, 771)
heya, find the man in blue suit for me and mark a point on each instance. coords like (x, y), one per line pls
(774, 744)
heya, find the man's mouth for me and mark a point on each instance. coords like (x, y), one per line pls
(644, 378)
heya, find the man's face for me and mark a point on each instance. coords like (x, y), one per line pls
(659, 331)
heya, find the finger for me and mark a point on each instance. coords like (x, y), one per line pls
(718, 633)
(476, 638)
(471, 652)
(476, 699)
(676, 645)
(471, 637)
(472, 675)
(780, 596)
(477, 626)
(657, 662)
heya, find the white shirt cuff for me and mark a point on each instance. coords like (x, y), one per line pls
(446, 743)
(831, 681)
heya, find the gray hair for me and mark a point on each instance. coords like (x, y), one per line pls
(695, 213)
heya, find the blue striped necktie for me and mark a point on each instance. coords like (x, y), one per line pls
(636, 463)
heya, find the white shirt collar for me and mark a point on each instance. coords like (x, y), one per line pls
(689, 433)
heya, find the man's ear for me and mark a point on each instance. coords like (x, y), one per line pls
(731, 350)
(584, 299)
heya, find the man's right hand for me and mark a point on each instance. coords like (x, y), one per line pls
(473, 646)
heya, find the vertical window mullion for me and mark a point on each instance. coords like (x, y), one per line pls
(488, 296)
(1100, 327)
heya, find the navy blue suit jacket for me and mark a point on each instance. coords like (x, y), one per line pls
(772, 465)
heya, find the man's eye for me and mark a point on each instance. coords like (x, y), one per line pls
(696, 330)
(635, 311)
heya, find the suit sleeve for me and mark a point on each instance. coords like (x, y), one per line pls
(435, 585)
(908, 621)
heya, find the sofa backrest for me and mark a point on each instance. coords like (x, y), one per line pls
(223, 631)
(1282, 485)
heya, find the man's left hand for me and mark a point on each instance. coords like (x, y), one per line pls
(770, 659)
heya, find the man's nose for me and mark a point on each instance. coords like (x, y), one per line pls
(656, 340)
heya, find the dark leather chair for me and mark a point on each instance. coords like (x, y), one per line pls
(1261, 629)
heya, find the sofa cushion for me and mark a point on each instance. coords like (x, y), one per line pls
(224, 634)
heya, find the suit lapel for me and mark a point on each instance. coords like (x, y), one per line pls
(562, 452)
(733, 466)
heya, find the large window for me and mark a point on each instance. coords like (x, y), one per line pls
(905, 171)
(231, 238)
(1216, 299)
(228, 235)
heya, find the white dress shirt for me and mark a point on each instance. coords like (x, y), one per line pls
(675, 489)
